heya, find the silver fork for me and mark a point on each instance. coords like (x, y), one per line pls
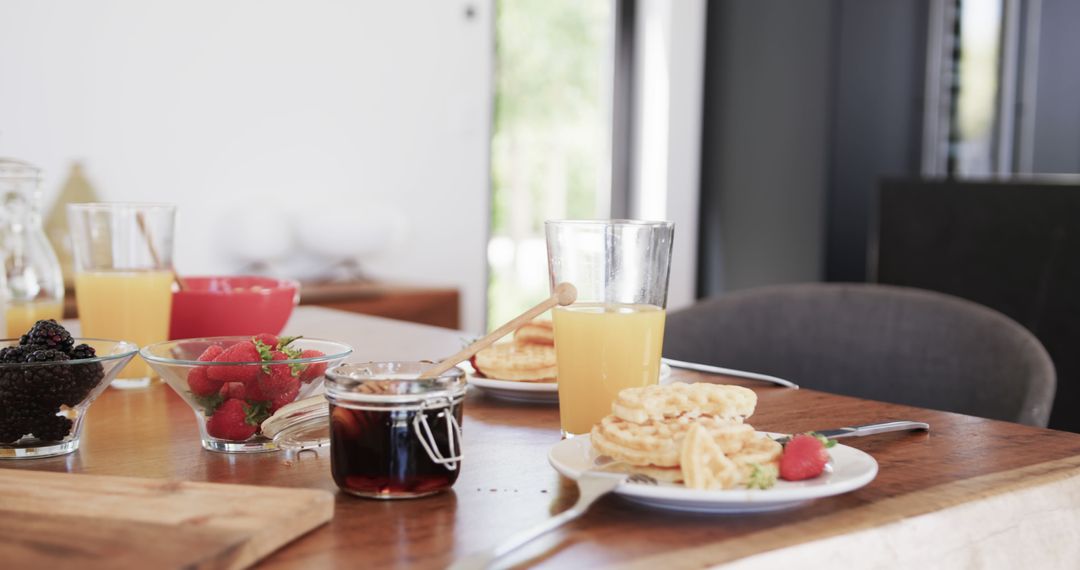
(592, 485)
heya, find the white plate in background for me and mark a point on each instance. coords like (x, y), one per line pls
(536, 392)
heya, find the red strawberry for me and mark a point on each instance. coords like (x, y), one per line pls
(268, 339)
(240, 352)
(199, 384)
(804, 458)
(312, 371)
(234, 420)
(210, 353)
(253, 393)
(284, 397)
(233, 390)
(280, 378)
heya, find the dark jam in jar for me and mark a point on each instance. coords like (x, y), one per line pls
(392, 434)
(379, 452)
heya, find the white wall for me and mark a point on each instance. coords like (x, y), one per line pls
(322, 111)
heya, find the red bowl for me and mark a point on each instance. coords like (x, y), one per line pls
(232, 306)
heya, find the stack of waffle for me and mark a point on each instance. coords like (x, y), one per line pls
(689, 433)
(529, 358)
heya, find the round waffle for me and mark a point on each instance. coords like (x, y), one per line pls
(536, 332)
(639, 405)
(523, 363)
(760, 451)
(664, 474)
(659, 443)
(704, 464)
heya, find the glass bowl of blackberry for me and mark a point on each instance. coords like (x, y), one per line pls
(47, 381)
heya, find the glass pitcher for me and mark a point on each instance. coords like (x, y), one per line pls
(34, 287)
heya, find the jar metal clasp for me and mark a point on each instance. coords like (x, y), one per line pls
(453, 433)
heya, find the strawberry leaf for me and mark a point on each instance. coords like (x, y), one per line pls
(210, 403)
(256, 412)
(284, 341)
(824, 440)
(266, 353)
(296, 368)
(761, 476)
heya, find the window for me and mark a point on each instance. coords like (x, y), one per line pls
(550, 152)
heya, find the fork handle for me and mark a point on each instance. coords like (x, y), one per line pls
(517, 540)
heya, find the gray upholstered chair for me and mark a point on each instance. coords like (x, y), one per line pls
(894, 344)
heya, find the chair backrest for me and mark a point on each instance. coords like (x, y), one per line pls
(895, 344)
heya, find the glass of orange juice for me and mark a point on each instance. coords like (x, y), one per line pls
(124, 276)
(611, 338)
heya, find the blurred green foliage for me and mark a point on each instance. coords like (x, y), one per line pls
(550, 145)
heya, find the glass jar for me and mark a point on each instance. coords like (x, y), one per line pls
(34, 286)
(391, 435)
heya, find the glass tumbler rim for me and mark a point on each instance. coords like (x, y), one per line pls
(613, 222)
(106, 206)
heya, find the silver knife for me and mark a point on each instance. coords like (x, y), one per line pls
(728, 372)
(868, 429)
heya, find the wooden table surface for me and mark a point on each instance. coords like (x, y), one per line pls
(506, 483)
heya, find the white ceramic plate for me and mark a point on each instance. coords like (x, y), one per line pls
(537, 392)
(849, 470)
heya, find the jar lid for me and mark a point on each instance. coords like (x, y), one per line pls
(303, 424)
(392, 383)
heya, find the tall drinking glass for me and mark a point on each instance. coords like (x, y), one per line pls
(124, 276)
(612, 336)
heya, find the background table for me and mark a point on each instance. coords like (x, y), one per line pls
(438, 306)
(972, 491)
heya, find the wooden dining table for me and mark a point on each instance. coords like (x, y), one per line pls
(970, 493)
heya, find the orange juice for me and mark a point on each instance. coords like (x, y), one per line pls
(21, 316)
(602, 349)
(126, 305)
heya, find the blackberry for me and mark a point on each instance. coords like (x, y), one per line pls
(48, 334)
(51, 428)
(14, 353)
(82, 352)
(46, 355)
(31, 396)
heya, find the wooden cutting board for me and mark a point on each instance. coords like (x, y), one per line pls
(53, 520)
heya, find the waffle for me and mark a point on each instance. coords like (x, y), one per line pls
(659, 442)
(536, 332)
(640, 405)
(523, 363)
(760, 451)
(704, 465)
(664, 474)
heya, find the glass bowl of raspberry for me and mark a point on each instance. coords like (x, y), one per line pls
(47, 381)
(234, 383)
